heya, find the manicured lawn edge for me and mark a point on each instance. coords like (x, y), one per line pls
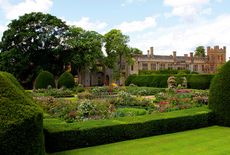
(60, 136)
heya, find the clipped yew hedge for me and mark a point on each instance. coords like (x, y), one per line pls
(21, 128)
(195, 81)
(43, 80)
(219, 95)
(60, 136)
(66, 80)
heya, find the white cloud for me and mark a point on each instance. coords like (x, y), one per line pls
(86, 24)
(184, 38)
(135, 26)
(2, 29)
(187, 8)
(26, 6)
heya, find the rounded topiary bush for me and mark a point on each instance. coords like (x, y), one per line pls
(66, 80)
(44, 79)
(21, 129)
(219, 95)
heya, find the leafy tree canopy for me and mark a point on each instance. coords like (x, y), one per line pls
(85, 48)
(34, 41)
(200, 51)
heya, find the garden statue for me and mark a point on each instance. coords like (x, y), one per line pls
(171, 82)
(184, 82)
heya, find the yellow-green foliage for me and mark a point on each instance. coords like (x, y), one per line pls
(21, 120)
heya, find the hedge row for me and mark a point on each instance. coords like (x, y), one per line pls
(195, 81)
(60, 137)
(21, 128)
(46, 79)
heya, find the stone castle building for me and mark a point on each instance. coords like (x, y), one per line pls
(215, 57)
(103, 76)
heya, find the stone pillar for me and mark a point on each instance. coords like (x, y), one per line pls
(174, 56)
(191, 57)
(151, 51)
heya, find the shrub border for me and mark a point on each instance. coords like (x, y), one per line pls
(77, 138)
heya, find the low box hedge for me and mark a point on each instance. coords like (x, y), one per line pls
(60, 136)
(195, 81)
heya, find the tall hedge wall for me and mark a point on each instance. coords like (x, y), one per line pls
(219, 95)
(195, 81)
(21, 129)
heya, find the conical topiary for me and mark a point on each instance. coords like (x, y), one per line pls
(21, 129)
(44, 79)
(219, 95)
(66, 80)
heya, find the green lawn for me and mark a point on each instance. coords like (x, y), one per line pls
(205, 141)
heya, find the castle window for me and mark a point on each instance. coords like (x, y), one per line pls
(153, 67)
(202, 67)
(162, 66)
(170, 66)
(195, 68)
(144, 66)
(187, 66)
(211, 68)
(131, 67)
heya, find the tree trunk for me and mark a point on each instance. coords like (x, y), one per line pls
(119, 70)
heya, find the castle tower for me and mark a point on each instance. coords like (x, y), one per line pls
(215, 57)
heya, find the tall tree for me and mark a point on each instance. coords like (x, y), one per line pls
(34, 41)
(200, 51)
(85, 48)
(118, 52)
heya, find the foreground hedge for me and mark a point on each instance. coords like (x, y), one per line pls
(21, 129)
(61, 136)
(195, 81)
(219, 96)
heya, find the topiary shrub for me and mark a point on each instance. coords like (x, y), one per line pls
(66, 80)
(219, 95)
(21, 130)
(44, 79)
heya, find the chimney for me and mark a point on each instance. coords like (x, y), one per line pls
(174, 55)
(148, 53)
(151, 51)
(191, 57)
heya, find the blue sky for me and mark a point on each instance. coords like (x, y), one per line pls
(168, 25)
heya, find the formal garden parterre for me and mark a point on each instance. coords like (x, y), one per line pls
(58, 114)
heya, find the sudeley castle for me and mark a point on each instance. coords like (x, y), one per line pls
(215, 57)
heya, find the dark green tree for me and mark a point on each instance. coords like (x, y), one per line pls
(85, 49)
(33, 42)
(200, 51)
(219, 95)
